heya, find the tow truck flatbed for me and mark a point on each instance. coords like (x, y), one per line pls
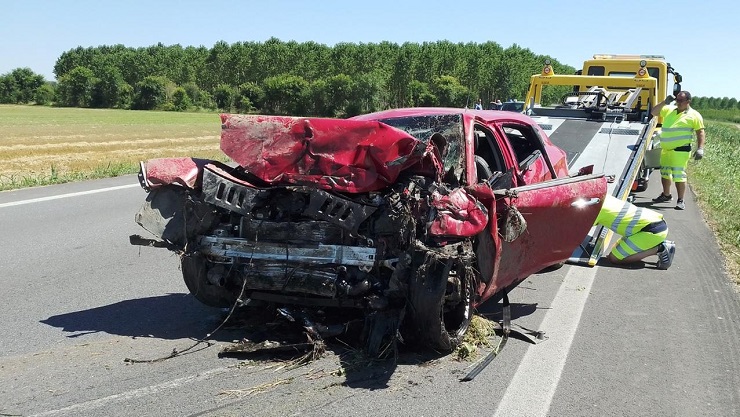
(614, 148)
(606, 128)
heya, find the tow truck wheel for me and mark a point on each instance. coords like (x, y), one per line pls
(439, 309)
(642, 185)
(195, 273)
(642, 179)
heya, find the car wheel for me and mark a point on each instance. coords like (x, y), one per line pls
(195, 273)
(440, 306)
(553, 267)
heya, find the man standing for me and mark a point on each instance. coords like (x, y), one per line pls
(643, 233)
(479, 105)
(680, 122)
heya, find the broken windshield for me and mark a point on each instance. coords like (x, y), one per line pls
(450, 126)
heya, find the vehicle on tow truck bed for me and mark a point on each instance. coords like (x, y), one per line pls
(402, 220)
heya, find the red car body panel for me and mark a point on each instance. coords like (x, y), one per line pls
(550, 236)
(363, 154)
(166, 171)
(334, 154)
(553, 229)
(458, 214)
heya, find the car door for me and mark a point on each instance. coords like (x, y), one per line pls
(558, 214)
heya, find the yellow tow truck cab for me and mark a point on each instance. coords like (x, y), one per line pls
(616, 65)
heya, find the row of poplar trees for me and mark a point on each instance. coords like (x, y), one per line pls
(276, 77)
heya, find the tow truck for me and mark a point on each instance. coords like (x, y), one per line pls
(604, 121)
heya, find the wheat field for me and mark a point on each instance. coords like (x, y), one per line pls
(41, 145)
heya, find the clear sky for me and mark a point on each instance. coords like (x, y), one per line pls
(699, 38)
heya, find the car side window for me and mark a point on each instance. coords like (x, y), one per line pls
(488, 157)
(525, 144)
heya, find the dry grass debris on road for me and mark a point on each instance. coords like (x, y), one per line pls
(479, 335)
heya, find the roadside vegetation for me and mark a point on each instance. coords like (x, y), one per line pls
(722, 115)
(716, 181)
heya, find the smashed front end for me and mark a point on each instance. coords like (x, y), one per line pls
(333, 220)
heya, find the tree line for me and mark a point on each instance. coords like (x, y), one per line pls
(276, 77)
(290, 78)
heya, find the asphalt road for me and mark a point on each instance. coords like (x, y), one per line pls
(77, 300)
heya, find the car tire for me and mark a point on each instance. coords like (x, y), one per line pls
(553, 267)
(431, 321)
(195, 273)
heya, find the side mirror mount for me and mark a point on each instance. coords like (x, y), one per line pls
(502, 181)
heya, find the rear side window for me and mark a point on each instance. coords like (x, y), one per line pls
(524, 142)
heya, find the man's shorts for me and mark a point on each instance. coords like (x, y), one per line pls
(673, 165)
(640, 241)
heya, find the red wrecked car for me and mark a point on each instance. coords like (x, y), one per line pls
(403, 220)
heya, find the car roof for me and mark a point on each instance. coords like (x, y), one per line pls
(486, 115)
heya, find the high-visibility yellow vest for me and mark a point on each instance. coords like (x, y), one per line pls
(625, 218)
(678, 128)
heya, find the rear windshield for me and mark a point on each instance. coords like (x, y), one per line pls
(599, 70)
(513, 106)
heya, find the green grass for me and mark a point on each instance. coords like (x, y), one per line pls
(11, 182)
(716, 181)
(731, 116)
(31, 117)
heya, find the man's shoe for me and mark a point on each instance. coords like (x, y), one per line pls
(680, 205)
(662, 198)
(665, 254)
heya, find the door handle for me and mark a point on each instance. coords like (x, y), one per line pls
(581, 203)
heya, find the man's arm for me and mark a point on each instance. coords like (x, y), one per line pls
(700, 137)
(655, 111)
(699, 152)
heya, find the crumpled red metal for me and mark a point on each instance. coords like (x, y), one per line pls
(164, 171)
(332, 154)
(458, 214)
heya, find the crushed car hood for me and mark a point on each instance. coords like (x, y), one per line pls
(342, 155)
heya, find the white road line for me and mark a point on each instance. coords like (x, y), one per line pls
(56, 197)
(86, 407)
(533, 386)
